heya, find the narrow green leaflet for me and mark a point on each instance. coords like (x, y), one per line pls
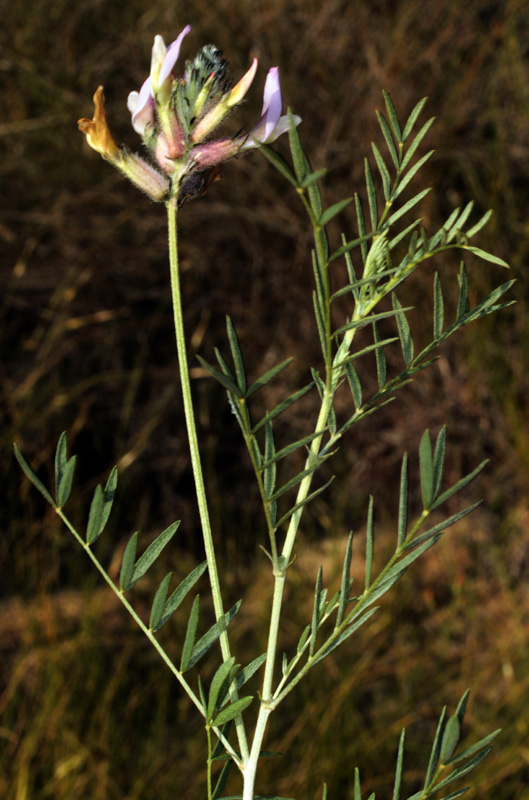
(319, 315)
(462, 707)
(64, 469)
(437, 529)
(279, 163)
(392, 115)
(299, 477)
(357, 787)
(370, 544)
(359, 353)
(159, 603)
(450, 740)
(403, 234)
(240, 372)
(354, 385)
(246, 673)
(269, 467)
(361, 323)
(217, 683)
(371, 196)
(109, 492)
(436, 750)
(460, 484)
(416, 142)
(487, 305)
(290, 448)
(189, 640)
(282, 407)
(453, 795)
(402, 527)
(32, 477)
(312, 177)
(263, 380)
(461, 221)
(315, 613)
(486, 256)
(389, 139)
(348, 246)
(398, 772)
(474, 748)
(302, 503)
(380, 357)
(406, 207)
(438, 461)
(181, 592)
(218, 751)
(464, 770)
(101, 507)
(222, 779)
(333, 210)
(479, 224)
(219, 376)
(411, 174)
(412, 119)
(438, 308)
(346, 581)
(404, 331)
(345, 634)
(95, 517)
(298, 157)
(383, 170)
(383, 584)
(426, 469)
(209, 638)
(462, 306)
(61, 457)
(362, 230)
(232, 711)
(152, 552)
(127, 563)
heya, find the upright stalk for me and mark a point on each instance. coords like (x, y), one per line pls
(195, 454)
(280, 574)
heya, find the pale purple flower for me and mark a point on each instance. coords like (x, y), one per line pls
(141, 104)
(272, 124)
(175, 116)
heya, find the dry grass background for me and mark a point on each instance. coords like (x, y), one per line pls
(87, 345)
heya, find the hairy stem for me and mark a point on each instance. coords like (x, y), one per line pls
(195, 454)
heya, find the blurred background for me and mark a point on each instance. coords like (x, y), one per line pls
(86, 708)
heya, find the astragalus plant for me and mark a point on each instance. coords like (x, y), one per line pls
(176, 116)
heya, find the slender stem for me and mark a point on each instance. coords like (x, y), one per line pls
(208, 734)
(195, 454)
(147, 631)
(280, 576)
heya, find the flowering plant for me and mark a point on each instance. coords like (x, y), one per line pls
(175, 116)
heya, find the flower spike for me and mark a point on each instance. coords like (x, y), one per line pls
(176, 116)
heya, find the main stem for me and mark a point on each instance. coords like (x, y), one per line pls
(268, 702)
(195, 454)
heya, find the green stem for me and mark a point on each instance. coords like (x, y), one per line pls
(208, 734)
(195, 454)
(280, 571)
(147, 631)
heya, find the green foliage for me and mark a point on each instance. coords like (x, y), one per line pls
(445, 742)
(387, 255)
